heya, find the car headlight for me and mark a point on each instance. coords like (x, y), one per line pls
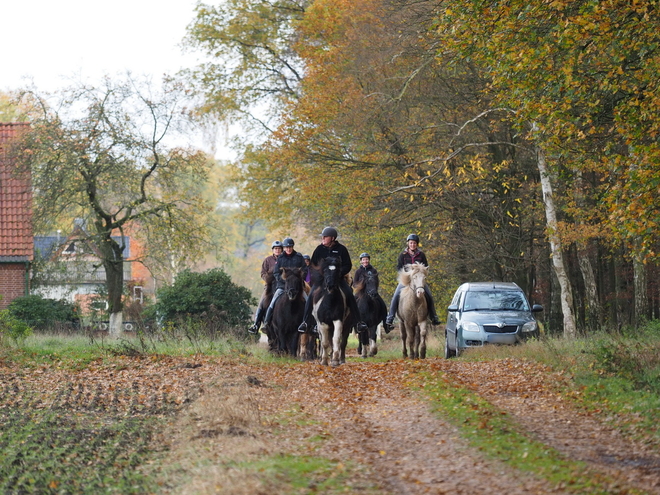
(530, 326)
(470, 326)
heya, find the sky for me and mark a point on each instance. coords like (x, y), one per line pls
(56, 41)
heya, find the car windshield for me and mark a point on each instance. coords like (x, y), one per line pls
(495, 301)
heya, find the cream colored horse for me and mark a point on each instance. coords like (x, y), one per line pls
(413, 311)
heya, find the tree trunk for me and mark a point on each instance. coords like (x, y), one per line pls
(113, 263)
(570, 330)
(641, 293)
(593, 308)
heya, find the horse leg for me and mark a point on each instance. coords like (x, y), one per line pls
(404, 338)
(302, 347)
(422, 335)
(336, 343)
(326, 344)
(411, 342)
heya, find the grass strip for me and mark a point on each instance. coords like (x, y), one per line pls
(306, 474)
(493, 432)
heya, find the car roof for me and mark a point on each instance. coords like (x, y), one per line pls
(485, 286)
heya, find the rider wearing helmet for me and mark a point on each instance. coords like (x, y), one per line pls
(269, 261)
(266, 268)
(365, 270)
(330, 246)
(290, 258)
(306, 269)
(412, 254)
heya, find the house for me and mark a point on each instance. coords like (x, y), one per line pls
(69, 267)
(16, 242)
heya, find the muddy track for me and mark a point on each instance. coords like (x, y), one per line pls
(367, 416)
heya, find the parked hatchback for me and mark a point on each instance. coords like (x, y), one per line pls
(488, 313)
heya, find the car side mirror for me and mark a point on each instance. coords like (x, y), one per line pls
(452, 308)
(536, 308)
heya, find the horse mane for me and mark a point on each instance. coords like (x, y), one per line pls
(359, 287)
(408, 270)
(316, 275)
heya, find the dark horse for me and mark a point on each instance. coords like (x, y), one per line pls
(331, 312)
(288, 311)
(372, 311)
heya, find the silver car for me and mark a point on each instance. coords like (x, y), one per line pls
(488, 313)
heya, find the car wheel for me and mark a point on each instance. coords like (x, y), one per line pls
(448, 352)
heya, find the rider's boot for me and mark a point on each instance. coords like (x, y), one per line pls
(389, 323)
(254, 329)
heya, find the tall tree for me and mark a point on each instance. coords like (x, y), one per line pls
(101, 154)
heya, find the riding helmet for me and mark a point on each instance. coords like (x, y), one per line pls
(288, 242)
(330, 232)
(306, 256)
(276, 244)
(365, 255)
(413, 237)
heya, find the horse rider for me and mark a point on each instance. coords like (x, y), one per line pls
(306, 270)
(412, 254)
(330, 246)
(290, 258)
(266, 268)
(365, 269)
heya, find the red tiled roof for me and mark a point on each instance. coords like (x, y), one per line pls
(16, 241)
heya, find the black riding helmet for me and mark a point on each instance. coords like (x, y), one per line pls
(288, 242)
(413, 237)
(330, 232)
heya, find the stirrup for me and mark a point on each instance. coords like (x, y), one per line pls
(303, 327)
(254, 329)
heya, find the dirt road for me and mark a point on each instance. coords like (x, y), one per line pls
(363, 414)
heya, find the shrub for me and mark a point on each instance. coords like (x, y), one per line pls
(12, 327)
(41, 312)
(210, 292)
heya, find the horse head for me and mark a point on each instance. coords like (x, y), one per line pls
(293, 282)
(371, 285)
(331, 269)
(414, 276)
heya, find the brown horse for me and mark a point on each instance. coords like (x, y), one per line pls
(413, 311)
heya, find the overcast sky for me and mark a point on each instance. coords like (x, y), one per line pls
(54, 43)
(51, 41)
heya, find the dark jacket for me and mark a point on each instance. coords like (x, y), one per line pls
(295, 260)
(362, 272)
(336, 249)
(408, 258)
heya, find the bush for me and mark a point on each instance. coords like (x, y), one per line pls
(41, 312)
(13, 328)
(211, 292)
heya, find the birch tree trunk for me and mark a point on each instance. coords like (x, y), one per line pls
(570, 330)
(641, 293)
